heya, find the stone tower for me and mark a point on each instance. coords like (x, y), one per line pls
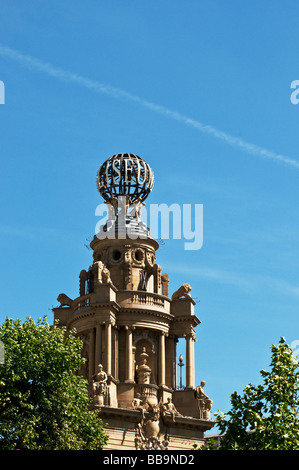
(130, 325)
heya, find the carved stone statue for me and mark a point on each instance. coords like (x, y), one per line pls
(106, 276)
(143, 370)
(183, 291)
(99, 386)
(169, 408)
(64, 300)
(204, 402)
(102, 273)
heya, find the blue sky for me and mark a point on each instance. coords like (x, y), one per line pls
(201, 91)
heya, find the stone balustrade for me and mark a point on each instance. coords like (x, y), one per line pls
(148, 299)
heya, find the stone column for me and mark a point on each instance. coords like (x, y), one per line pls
(170, 357)
(129, 355)
(108, 346)
(91, 354)
(172, 360)
(162, 359)
(98, 351)
(115, 357)
(190, 379)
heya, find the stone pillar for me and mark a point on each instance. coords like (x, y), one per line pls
(172, 340)
(108, 346)
(129, 355)
(98, 351)
(115, 356)
(162, 359)
(175, 379)
(170, 358)
(190, 379)
(91, 354)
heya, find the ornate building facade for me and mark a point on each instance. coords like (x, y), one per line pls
(130, 325)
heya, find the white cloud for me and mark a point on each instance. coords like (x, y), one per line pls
(244, 281)
(98, 87)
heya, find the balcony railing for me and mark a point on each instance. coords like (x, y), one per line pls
(81, 302)
(148, 299)
(127, 298)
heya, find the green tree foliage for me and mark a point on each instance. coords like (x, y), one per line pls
(265, 417)
(44, 405)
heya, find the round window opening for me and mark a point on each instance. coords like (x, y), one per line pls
(139, 255)
(116, 255)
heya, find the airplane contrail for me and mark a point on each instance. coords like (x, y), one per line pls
(96, 86)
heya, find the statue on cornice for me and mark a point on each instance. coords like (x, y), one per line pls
(183, 291)
(169, 408)
(204, 402)
(99, 386)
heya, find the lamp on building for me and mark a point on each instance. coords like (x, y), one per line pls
(181, 364)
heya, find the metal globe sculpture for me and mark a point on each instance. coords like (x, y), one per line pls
(125, 174)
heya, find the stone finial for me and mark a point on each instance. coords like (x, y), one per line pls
(144, 371)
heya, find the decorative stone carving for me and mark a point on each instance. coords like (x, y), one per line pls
(102, 273)
(106, 275)
(101, 255)
(150, 432)
(204, 402)
(165, 283)
(143, 370)
(148, 393)
(138, 256)
(99, 386)
(150, 260)
(183, 291)
(128, 267)
(64, 300)
(157, 278)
